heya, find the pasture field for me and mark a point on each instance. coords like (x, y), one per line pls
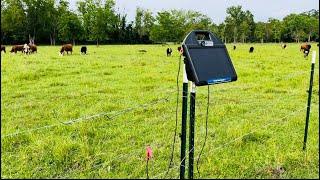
(92, 116)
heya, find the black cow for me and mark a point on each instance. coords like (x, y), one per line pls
(283, 46)
(251, 50)
(169, 51)
(234, 47)
(83, 50)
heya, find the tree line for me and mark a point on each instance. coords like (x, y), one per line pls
(97, 21)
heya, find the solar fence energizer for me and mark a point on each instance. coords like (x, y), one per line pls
(207, 62)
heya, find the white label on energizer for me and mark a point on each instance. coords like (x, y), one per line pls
(206, 43)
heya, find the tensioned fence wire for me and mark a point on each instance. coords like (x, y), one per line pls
(234, 140)
(229, 142)
(110, 116)
(137, 153)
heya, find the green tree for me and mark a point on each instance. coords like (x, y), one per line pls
(99, 19)
(174, 25)
(312, 27)
(260, 31)
(247, 26)
(276, 28)
(148, 22)
(235, 17)
(312, 13)
(293, 27)
(13, 21)
(143, 24)
(70, 28)
(244, 30)
(41, 19)
(138, 21)
(196, 20)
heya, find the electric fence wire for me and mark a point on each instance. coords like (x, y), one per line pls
(263, 112)
(176, 125)
(117, 113)
(107, 114)
(240, 137)
(205, 138)
(286, 77)
(128, 155)
(175, 167)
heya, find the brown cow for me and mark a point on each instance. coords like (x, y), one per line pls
(66, 47)
(16, 48)
(3, 48)
(33, 48)
(305, 48)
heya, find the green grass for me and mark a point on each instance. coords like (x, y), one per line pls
(256, 124)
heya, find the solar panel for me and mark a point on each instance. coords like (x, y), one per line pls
(207, 59)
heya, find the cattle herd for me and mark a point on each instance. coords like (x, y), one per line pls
(32, 48)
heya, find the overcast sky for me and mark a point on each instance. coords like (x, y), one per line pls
(216, 9)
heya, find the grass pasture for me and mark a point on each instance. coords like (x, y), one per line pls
(101, 110)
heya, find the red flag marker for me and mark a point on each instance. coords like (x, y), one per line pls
(149, 153)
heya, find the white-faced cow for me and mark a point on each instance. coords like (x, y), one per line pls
(169, 51)
(305, 48)
(26, 49)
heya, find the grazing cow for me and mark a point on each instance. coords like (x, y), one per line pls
(3, 48)
(283, 46)
(83, 50)
(67, 48)
(26, 49)
(180, 49)
(16, 48)
(251, 50)
(169, 51)
(33, 48)
(305, 48)
(234, 47)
